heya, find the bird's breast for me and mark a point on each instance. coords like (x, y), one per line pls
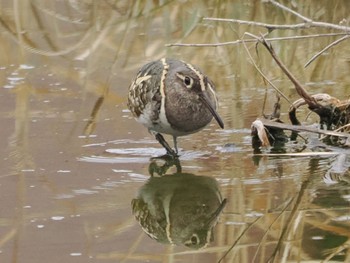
(186, 113)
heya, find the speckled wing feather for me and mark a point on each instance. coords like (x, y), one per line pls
(153, 224)
(146, 89)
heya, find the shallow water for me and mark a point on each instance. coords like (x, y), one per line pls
(76, 168)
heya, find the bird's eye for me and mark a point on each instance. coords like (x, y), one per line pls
(194, 240)
(188, 82)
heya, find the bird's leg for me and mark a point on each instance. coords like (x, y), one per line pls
(175, 144)
(163, 142)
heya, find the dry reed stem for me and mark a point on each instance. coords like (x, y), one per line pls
(238, 239)
(308, 23)
(261, 73)
(240, 41)
(290, 220)
(313, 104)
(298, 128)
(336, 42)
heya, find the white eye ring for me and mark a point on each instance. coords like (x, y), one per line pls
(188, 81)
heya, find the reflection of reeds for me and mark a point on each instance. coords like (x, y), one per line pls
(283, 231)
(21, 159)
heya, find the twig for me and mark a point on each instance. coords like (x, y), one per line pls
(299, 88)
(321, 98)
(270, 226)
(338, 130)
(298, 154)
(342, 127)
(263, 75)
(209, 44)
(307, 21)
(301, 128)
(337, 250)
(228, 43)
(326, 48)
(293, 212)
(260, 24)
(277, 26)
(238, 239)
(283, 7)
(90, 126)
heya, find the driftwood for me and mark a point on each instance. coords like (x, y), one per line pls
(334, 114)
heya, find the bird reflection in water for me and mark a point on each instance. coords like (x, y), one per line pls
(178, 208)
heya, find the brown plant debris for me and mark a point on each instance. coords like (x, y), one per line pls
(334, 114)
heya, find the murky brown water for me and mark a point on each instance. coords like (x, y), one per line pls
(75, 165)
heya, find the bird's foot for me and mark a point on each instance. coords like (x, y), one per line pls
(160, 165)
(163, 142)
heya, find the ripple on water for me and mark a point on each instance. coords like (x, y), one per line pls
(113, 159)
(143, 151)
(137, 155)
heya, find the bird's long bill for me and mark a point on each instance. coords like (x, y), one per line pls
(216, 213)
(204, 97)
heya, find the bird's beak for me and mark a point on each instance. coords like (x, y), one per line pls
(214, 217)
(205, 99)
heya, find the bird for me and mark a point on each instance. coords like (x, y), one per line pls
(171, 96)
(179, 209)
